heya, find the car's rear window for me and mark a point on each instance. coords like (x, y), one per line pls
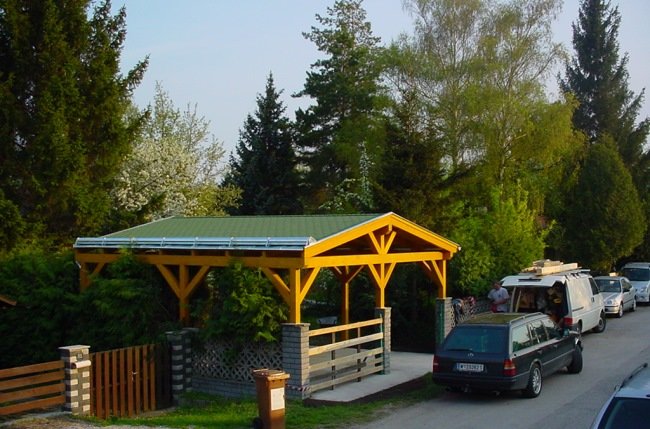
(624, 413)
(607, 285)
(637, 274)
(481, 339)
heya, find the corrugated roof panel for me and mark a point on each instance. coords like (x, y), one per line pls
(316, 226)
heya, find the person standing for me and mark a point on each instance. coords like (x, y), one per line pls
(499, 297)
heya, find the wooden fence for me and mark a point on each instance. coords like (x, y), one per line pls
(345, 353)
(130, 381)
(31, 387)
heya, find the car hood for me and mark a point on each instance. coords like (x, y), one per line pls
(610, 295)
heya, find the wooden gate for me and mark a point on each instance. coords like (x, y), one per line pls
(345, 353)
(130, 381)
(31, 387)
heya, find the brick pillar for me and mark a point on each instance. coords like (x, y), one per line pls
(384, 313)
(295, 359)
(180, 344)
(444, 318)
(76, 361)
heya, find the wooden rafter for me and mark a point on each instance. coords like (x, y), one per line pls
(377, 245)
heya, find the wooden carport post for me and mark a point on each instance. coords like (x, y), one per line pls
(345, 276)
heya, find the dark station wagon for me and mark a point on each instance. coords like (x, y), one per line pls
(506, 351)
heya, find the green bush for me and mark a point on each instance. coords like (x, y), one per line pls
(44, 288)
(497, 241)
(241, 305)
(128, 305)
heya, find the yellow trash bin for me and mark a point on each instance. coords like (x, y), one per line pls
(270, 384)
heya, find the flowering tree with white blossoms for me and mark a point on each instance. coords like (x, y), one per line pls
(174, 168)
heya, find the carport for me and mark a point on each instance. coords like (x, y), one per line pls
(290, 250)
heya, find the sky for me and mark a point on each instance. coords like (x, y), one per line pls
(216, 55)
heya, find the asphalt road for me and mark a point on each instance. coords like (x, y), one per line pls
(567, 400)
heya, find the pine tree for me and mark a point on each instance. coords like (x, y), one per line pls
(598, 79)
(264, 163)
(63, 101)
(608, 110)
(343, 125)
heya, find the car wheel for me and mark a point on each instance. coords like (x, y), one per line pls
(534, 386)
(576, 362)
(602, 324)
(620, 311)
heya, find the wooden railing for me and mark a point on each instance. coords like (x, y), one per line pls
(128, 381)
(31, 387)
(340, 354)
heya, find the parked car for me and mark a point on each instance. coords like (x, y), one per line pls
(638, 273)
(564, 291)
(629, 405)
(618, 294)
(505, 351)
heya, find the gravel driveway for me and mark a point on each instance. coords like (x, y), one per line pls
(62, 421)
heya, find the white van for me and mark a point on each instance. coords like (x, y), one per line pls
(565, 292)
(638, 273)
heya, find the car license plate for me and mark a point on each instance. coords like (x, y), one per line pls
(469, 367)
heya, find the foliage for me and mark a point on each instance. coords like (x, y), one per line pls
(345, 121)
(12, 224)
(242, 306)
(473, 74)
(412, 298)
(264, 165)
(43, 287)
(173, 169)
(412, 177)
(63, 103)
(605, 199)
(497, 241)
(128, 304)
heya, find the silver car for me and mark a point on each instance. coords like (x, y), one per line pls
(639, 275)
(629, 405)
(618, 294)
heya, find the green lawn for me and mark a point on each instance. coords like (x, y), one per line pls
(207, 411)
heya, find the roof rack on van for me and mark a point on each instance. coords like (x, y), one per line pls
(546, 266)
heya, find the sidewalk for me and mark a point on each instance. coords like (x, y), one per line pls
(405, 369)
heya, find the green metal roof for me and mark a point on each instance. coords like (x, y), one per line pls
(287, 232)
(317, 226)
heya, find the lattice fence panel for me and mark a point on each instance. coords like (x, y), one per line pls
(224, 360)
(462, 310)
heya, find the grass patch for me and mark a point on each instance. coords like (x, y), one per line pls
(209, 411)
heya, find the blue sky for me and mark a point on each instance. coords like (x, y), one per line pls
(217, 54)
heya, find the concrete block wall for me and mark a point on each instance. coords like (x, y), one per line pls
(227, 388)
(180, 343)
(384, 313)
(295, 359)
(444, 318)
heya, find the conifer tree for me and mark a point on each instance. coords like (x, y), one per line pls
(63, 132)
(598, 78)
(341, 134)
(264, 163)
(607, 109)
